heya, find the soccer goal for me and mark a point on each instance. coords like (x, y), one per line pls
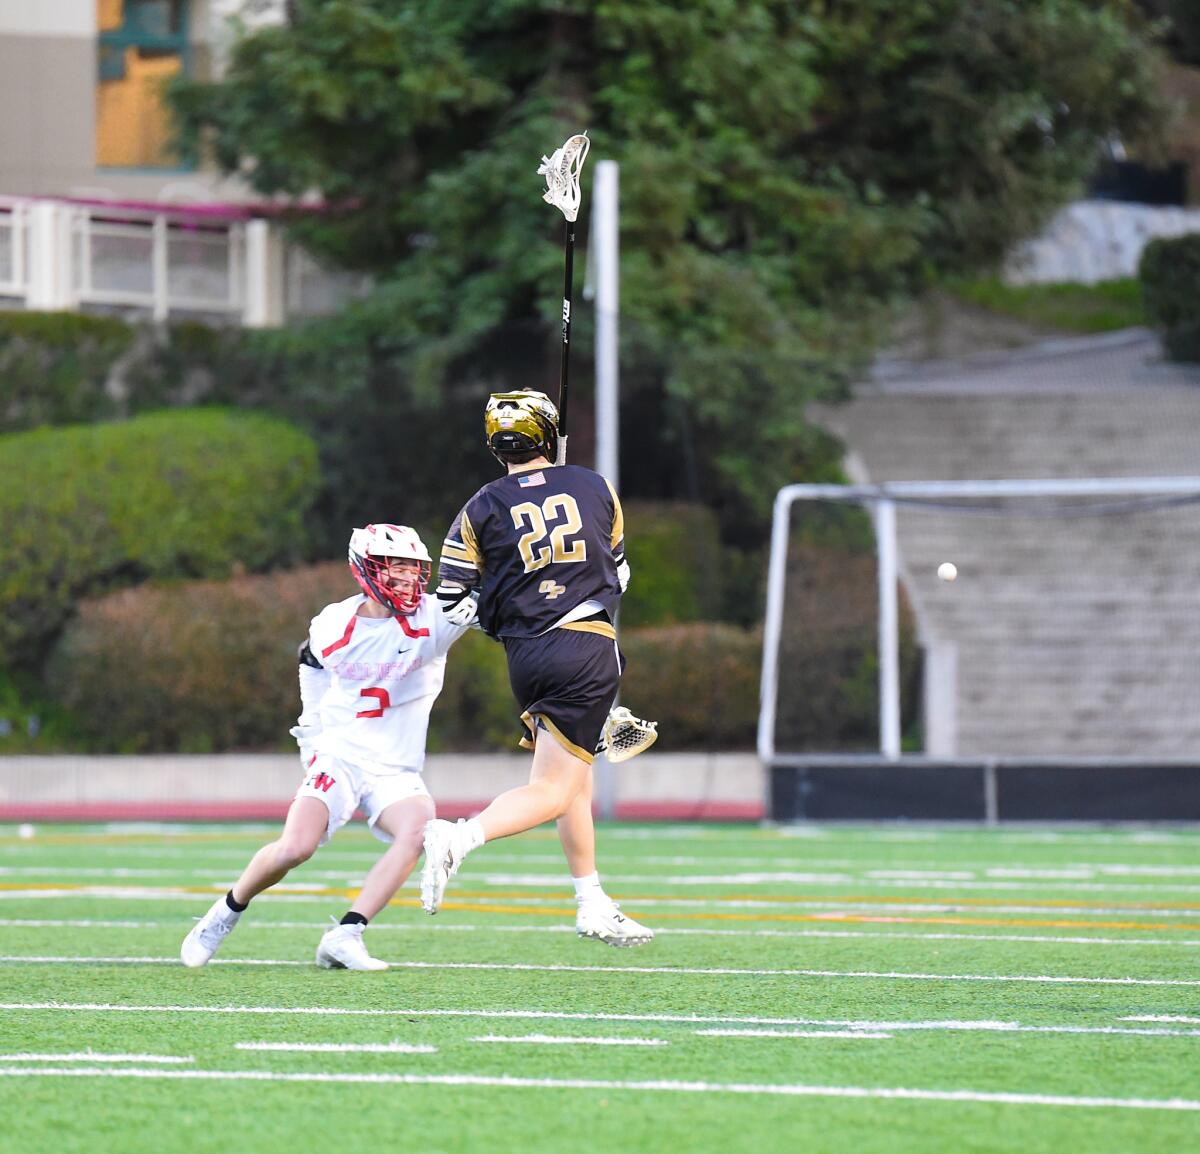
(1049, 622)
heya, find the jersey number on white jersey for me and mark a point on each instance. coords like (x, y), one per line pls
(379, 694)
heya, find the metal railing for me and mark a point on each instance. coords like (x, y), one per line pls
(161, 261)
(14, 248)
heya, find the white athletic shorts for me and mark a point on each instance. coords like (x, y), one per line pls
(345, 788)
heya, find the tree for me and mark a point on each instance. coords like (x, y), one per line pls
(1182, 20)
(786, 167)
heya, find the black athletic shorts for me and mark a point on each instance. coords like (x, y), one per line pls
(568, 680)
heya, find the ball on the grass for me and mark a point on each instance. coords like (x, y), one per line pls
(25, 830)
(947, 571)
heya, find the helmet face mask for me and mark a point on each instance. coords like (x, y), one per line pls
(382, 558)
(519, 424)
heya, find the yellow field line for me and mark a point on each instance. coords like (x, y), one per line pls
(881, 899)
(465, 904)
(126, 839)
(127, 883)
(792, 899)
(485, 900)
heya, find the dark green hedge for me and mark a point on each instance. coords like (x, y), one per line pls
(674, 553)
(30, 722)
(828, 698)
(60, 369)
(192, 667)
(204, 666)
(698, 681)
(1170, 276)
(193, 493)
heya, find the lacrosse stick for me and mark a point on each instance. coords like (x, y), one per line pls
(562, 171)
(625, 736)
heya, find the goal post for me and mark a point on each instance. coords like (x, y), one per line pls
(1075, 607)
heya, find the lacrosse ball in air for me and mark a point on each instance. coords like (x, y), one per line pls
(947, 571)
(25, 830)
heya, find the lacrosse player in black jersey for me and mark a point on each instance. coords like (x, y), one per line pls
(539, 555)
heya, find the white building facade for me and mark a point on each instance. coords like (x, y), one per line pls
(96, 211)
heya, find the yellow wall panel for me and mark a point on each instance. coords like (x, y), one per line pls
(132, 122)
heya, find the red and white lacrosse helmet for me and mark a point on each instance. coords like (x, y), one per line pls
(373, 548)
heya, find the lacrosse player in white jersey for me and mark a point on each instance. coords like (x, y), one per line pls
(370, 672)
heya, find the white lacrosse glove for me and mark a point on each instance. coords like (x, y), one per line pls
(623, 574)
(460, 606)
(305, 735)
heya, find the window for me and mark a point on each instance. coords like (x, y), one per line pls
(142, 44)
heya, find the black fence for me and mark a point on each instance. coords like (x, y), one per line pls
(983, 790)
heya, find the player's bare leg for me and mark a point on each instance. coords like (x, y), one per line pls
(597, 916)
(577, 831)
(307, 820)
(306, 823)
(343, 948)
(405, 822)
(555, 779)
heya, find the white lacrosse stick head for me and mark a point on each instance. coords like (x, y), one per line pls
(625, 736)
(562, 175)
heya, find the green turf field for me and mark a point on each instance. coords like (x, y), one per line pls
(866, 988)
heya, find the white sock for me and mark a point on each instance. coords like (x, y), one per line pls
(588, 887)
(474, 832)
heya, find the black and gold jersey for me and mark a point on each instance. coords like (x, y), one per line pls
(539, 543)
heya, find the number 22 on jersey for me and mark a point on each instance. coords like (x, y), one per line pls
(544, 542)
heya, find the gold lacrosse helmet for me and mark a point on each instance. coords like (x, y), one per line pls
(521, 422)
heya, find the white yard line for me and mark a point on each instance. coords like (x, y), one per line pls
(1160, 1018)
(869, 1034)
(950, 1026)
(558, 1040)
(669, 971)
(982, 935)
(337, 1047)
(663, 1086)
(864, 866)
(89, 1056)
(570, 1016)
(148, 960)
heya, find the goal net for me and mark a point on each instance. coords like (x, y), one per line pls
(1071, 629)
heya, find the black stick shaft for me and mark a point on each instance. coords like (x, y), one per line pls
(569, 247)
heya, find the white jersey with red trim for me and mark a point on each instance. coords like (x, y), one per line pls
(384, 675)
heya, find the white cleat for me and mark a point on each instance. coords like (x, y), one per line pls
(342, 948)
(208, 934)
(603, 921)
(445, 848)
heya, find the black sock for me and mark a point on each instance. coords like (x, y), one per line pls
(234, 904)
(353, 919)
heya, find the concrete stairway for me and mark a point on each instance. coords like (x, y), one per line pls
(1063, 636)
